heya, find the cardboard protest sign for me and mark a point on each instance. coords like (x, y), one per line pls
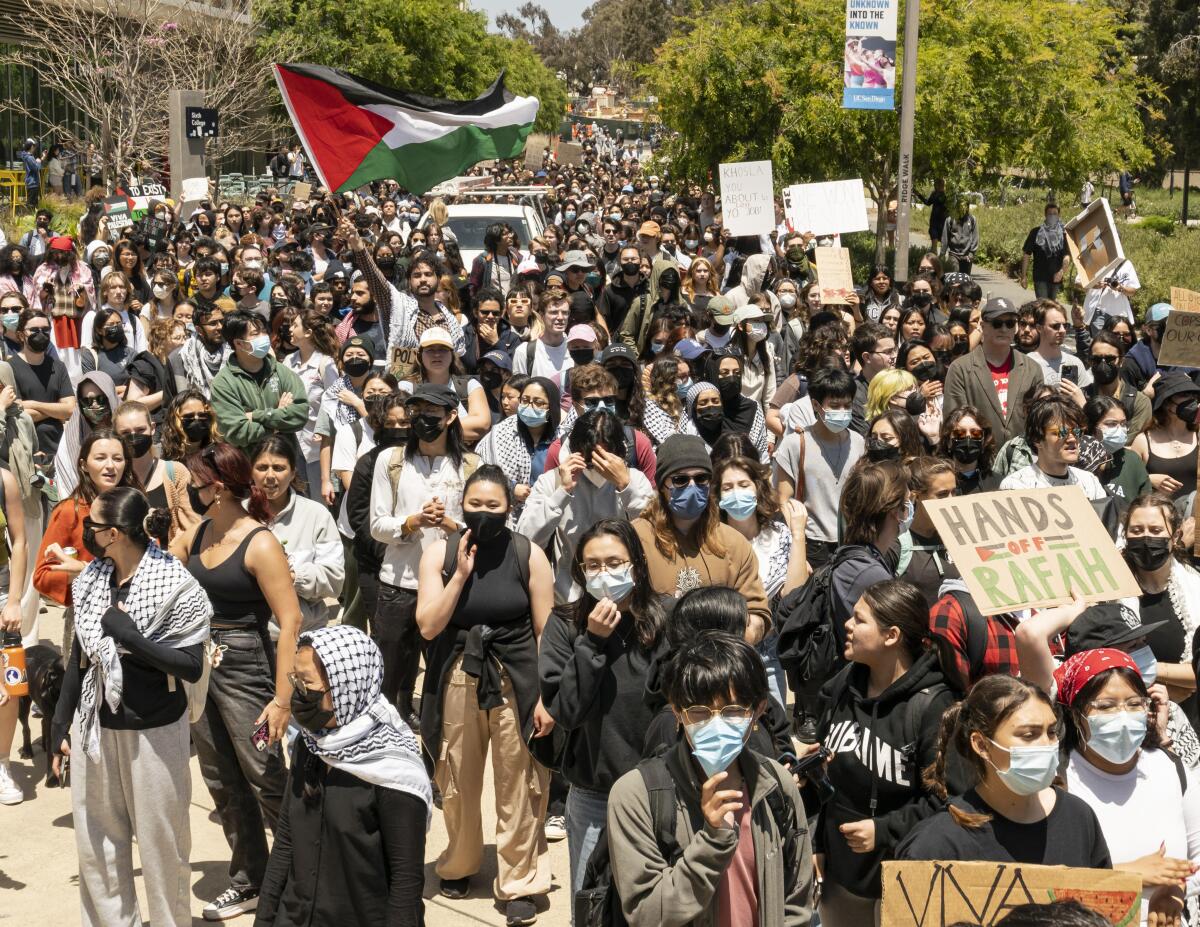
(195, 189)
(1094, 243)
(301, 190)
(834, 274)
(826, 208)
(1181, 340)
(936, 894)
(1031, 547)
(1185, 300)
(116, 211)
(747, 198)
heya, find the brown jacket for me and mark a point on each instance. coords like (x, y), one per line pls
(969, 383)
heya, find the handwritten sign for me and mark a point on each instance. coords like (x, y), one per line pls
(195, 189)
(301, 191)
(747, 198)
(826, 208)
(1094, 244)
(834, 274)
(1030, 548)
(116, 211)
(1185, 300)
(937, 894)
(1181, 340)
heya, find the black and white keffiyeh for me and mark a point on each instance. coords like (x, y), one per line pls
(504, 447)
(165, 602)
(371, 740)
(341, 412)
(403, 332)
(201, 365)
(660, 424)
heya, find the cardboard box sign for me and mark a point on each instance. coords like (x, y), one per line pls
(835, 274)
(937, 894)
(1181, 340)
(1185, 300)
(747, 197)
(1094, 243)
(1031, 547)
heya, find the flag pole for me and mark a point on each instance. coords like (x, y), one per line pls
(908, 101)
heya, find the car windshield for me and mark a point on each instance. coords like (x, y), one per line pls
(469, 230)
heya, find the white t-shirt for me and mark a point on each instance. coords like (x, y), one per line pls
(551, 362)
(346, 452)
(1109, 301)
(1033, 477)
(134, 337)
(1051, 369)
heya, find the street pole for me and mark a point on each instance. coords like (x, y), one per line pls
(908, 105)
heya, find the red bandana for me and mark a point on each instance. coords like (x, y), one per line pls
(1085, 666)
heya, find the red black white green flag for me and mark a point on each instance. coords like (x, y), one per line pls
(356, 131)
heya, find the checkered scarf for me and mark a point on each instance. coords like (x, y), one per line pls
(371, 740)
(165, 602)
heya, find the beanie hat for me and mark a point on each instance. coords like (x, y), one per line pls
(681, 452)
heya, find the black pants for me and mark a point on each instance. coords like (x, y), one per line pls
(368, 595)
(32, 197)
(395, 631)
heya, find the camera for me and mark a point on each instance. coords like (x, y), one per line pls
(812, 768)
(1114, 282)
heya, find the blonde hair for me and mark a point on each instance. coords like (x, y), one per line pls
(884, 386)
(438, 211)
(689, 281)
(112, 278)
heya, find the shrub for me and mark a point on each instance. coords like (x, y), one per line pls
(1164, 225)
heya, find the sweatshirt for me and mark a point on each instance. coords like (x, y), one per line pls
(236, 391)
(64, 528)
(879, 753)
(313, 547)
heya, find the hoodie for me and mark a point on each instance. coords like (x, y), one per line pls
(754, 272)
(66, 470)
(636, 327)
(880, 747)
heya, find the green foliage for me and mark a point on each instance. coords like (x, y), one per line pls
(67, 214)
(1164, 225)
(1045, 87)
(433, 47)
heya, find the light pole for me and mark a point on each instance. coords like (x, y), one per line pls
(908, 105)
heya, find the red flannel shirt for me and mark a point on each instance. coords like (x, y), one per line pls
(946, 620)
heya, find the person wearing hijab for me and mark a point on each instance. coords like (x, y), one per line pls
(350, 847)
(95, 402)
(738, 414)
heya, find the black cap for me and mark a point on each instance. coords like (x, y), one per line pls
(435, 393)
(997, 307)
(1172, 384)
(359, 341)
(618, 351)
(1106, 624)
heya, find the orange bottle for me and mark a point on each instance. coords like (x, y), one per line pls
(12, 661)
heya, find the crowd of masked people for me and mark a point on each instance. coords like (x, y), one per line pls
(343, 513)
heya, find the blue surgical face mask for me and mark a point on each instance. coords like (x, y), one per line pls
(838, 419)
(907, 519)
(656, 347)
(739, 503)
(224, 268)
(689, 501)
(1117, 737)
(1114, 437)
(615, 585)
(717, 742)
(260, 346)
(1147, 664)
(1030, 769)
(531, 416)
(11, 319)
(682, 388)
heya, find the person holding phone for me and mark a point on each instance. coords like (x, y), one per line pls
(1059, 367)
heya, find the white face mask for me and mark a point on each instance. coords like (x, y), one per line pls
(160, 291)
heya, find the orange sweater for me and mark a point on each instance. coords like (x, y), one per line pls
(66, 529)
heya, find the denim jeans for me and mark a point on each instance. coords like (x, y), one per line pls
(246, 784)
(1045, 289)
(395, 631)
(768, 649)
(586, 815)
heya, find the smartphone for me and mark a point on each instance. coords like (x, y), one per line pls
(261, 737)
(1069, 373)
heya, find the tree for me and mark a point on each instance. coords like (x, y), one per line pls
(117, 62)
(433, 47)
(1046, 88)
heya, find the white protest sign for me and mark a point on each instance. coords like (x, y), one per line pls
(747, 198)
(195, 189)
(830, 208)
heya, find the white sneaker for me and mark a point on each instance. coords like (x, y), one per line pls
(556, 828)
(10, 792)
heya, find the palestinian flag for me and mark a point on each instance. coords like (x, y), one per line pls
(356, 131)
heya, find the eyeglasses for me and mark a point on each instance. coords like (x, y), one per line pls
(594, 568)
(594, 402)
(700, 714)
(1003, 323)
(1106, 706)
(891, 353)
(1063, 433)
(302, 687)
(967, 433)
(679, 480)
(536, 403)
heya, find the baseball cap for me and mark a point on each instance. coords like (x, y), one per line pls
(650, 229)
(574, 259)
(436, 393)
(437, 337)
(748, 313)
(689, 348)
(1159, 311)
(721, 310)
(335, 270)
(618, 351)
(529, 265)
(499, 358)
(582, 333)
(996, 307)
(1106, 624)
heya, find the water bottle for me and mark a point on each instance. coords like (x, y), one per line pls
(12, 661)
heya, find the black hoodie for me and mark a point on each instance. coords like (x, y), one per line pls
(897, 732)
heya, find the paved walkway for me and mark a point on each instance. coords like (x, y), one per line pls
(995, 283)
(39, 873)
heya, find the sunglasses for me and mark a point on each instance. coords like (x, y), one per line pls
(1003, 323)
(967, 433)
(593, 402)
(679, 480)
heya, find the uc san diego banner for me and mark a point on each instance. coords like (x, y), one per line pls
(869, 68)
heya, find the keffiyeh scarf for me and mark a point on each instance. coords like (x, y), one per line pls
(198, 363)
(405, 332)
(165, 602)
(1050, 236)
(341, 412)
(373, 743)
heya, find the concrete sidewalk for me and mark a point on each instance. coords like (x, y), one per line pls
(39, 873)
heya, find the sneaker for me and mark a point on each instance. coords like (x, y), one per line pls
(10, 792)
(455, 888)
(556, 828)
(519, 911)
(231, 903)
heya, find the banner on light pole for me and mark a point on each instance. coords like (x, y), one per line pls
(869, 66)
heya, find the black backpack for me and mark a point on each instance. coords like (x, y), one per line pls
(596, 902)
(808, 645)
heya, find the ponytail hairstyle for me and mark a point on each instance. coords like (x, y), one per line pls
(230, 466)
(126, 508)
(988, 704)
(897, 603)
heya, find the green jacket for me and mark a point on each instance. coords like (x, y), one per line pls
(236, 392)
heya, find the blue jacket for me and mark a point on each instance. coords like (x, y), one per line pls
(33, 169)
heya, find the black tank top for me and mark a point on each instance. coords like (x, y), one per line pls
(1181, 468)
(494, 593)
(236, 598)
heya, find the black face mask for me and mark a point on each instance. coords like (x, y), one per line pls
(391, 437)
(582, 356)
(719, 330)
(485, 526)
(357, 367)
(198, 506)
(623, 375)
(307, 711)
(927, 371)
(139, 444)
(387, 265)
(196, 429)
(915, 403)
(38, 341)
(491, 379)
(944, 357)
(631, 268)
(1104, 371)
(878, 449)
(114, 334)
(1148, 553)
(920, 300)
(960, 348)
(1187, 410)
(428, 428)
(709, 417)
(90, 544)
(729, 388)
(966, 450)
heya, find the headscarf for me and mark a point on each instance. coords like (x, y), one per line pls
(1077, 671)
(371, 740)
(66, 460)
(1050, 234)
(691, 426)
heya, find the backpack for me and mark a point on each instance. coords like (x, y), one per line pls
(530, 353)
(808, 643)
(597, 903)
(470, 464)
